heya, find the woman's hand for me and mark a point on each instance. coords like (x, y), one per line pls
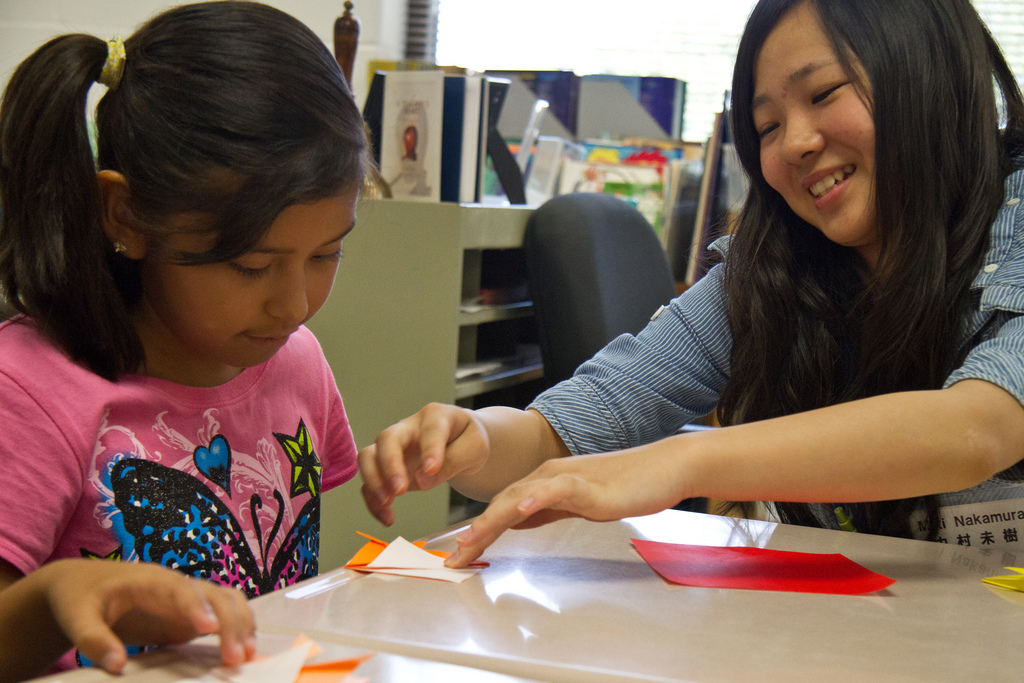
(99, 604)
(596, 487)
(420, 452)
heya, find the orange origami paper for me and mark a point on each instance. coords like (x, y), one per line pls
(374, 547)
(289, 665)
(330, 672)
(325, 672)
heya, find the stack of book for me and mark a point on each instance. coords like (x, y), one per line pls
(606, 106)
(429, 133)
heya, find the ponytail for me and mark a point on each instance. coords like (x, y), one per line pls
(54, 254)
(228, 111)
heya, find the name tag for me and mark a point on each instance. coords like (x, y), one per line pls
(997, 523)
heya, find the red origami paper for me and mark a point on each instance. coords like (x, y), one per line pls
(759, 569)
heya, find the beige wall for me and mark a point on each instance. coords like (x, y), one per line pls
(26, 24)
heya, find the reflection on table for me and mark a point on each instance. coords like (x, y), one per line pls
(573, 601)
(193, 663)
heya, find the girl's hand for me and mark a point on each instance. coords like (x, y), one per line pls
(98, 604)
(596, 487)
(420, 452)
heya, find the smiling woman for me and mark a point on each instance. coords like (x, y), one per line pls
(860, 343)
(891, 319)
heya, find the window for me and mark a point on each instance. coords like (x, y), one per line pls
(694, 40)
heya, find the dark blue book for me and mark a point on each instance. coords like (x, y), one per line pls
(560, 88)
(463, 131)
(663, 97)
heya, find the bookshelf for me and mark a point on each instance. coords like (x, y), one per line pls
(395, 333)
(502, 378)
(494, 313)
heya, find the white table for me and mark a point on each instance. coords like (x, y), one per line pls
(573, 601)
(196, 659)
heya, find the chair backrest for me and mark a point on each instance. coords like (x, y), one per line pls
(596, 270)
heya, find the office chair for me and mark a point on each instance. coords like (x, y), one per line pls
(596, 269)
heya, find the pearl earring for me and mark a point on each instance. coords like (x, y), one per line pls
(119, 248)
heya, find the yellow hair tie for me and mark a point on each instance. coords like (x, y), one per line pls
(113, 68)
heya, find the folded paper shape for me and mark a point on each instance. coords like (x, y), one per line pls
(285, 667)
(402, 558)
(330, 672)
(1012, 581)
(326, 672)
(374, 547)
(759, 569)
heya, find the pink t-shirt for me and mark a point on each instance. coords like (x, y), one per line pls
(222, 483)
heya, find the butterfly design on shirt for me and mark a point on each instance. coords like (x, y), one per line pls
(177, 521)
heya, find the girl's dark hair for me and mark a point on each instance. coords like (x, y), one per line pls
(227, 111)
(811, 327)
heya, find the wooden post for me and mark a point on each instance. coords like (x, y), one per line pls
(346, 38)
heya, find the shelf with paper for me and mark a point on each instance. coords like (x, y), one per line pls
(478, 314)
(496, 326)
(505, 376)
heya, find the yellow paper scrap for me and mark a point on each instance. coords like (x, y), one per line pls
(1012, 581)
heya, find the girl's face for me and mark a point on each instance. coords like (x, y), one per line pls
(817, 133)
(202, 325)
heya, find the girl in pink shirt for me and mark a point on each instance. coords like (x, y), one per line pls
(162, 400)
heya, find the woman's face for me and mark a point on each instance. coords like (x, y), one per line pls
(817, 133)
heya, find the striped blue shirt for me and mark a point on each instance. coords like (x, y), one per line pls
(642, 388)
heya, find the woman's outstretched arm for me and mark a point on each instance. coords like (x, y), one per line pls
(880, 448)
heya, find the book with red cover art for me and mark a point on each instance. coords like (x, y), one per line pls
(411, 133)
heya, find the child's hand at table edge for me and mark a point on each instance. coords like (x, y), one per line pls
(98, 603)
(418, 453)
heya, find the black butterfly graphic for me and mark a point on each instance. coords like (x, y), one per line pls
(178, 522)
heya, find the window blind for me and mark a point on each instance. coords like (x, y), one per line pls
(421, 29)
(694, 40)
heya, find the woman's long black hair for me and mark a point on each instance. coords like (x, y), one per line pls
(228, 111)
(811, 327)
